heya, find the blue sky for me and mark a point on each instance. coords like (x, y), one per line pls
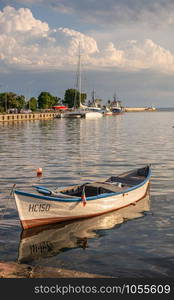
(127, 48)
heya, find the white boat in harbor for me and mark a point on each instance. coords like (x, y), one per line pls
(45, 206)
(85, 112)
(93, 113)
(107, 112)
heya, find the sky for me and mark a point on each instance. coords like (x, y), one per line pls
(127, 48)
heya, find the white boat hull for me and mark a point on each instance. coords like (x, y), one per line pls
(93, 115)
(35, 209)
(83, 114)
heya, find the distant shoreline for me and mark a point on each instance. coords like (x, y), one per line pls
(156, 109)
(139, 109)
(165, 109)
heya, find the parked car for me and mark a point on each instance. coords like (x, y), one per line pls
(26, 111)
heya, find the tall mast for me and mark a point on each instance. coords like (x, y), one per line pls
(79, 74)
(93, 97)
(77, 102)
(115, 97)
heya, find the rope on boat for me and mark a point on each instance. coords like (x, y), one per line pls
(8, 201)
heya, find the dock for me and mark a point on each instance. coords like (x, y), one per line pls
(28, 116)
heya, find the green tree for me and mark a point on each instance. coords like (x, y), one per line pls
(32, 104)
(3, 102)
(83, 97)
(20, 102)
(46, 100)
(72, 98)
(11, 100)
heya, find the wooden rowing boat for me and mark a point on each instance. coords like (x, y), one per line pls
(44, 206)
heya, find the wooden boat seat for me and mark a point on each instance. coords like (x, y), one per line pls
(130, 181)
(94, 189)
(104, 187)
(113, 184)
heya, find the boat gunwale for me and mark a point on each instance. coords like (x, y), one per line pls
(78, 199)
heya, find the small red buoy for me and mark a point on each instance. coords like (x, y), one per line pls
(39, 172)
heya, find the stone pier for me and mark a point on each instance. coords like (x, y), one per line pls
(28, 117)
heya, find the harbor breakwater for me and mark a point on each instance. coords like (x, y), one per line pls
(139, 109)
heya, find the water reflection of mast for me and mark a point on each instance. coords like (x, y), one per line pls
(78, 84)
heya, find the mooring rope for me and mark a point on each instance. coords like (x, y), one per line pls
(8, 201)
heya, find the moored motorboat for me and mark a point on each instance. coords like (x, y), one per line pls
(117, 109)
(107, 112)
(45, 206)
(116, 106)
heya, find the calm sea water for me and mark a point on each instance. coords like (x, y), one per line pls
(134, 242)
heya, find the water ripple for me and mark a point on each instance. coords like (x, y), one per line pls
(82, 150)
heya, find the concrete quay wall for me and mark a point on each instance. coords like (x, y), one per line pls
(130, 109)
(27, 117)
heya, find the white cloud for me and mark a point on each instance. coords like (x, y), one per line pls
(87, 44)
(26, 42)
(107, 58)
(149, 55)
(21, 21)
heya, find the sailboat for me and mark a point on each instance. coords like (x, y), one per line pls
(80, 110)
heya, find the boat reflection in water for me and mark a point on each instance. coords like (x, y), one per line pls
(49, 240)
